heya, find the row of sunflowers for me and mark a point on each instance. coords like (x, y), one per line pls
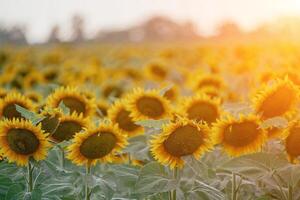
(148, 122)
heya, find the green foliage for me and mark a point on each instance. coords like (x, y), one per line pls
(64, 108)
(31, 116)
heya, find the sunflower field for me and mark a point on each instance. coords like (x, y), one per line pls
(209, 121)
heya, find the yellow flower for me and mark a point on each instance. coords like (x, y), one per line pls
(292, 141)
(68, 126)
(201, 108)
(157, 70)
(239, 136)
(51, 119)
(8, 105)
(20, 140)
(34, 96)
(148, 104)
(73, 99)
(279, 99)
(99, 144)
(205, 80)
(120, 116)
(181, 138)
(112, 90)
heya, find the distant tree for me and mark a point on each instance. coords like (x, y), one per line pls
(54, 35)
(77, 28)
(13, 35)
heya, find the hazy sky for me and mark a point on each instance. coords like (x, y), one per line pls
(40, 15)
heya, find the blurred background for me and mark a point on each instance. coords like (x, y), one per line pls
(77, 21)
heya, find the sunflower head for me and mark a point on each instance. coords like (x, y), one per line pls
(172, 94)
(241, 135)
(157, 71)
(292, 141)
(68, 126)
(8, 105)
(34, 96)
(120, 115)
(112, 89)
(20, 140)
(96, 144)
(181, 138)
(201, 108)
(3, 93)
(73, 99)
(206, 80)
(148, 104)
(51, 119)
(33, 79)
(279, 99)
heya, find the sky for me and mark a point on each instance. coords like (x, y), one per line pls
(40, 15)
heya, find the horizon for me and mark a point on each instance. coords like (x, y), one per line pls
(112, 15)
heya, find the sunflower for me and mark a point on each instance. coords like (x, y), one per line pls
(201, 108)
(50, 74)
(279, 99)
(3, 93)
(34, 96)
(112, 89)
(20, 140)
(240, 135)
(157, 70)
(212, 92)
(68, 126)
(120, 116)
(8, 105)
(73, 99)
(33, 79)
(292, 141)
(172, 93)
(181, 138)
(51, 119)
(148, 104)
(274, 132)
(99, 144)
(206, 80)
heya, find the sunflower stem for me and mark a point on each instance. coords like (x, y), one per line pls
(234, 191)
(290, 192)
(87, 174)
(62, 157)
(129, 159)
(175, 174)
(30, 177)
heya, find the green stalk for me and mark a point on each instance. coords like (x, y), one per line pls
(30, 177)
(87, 189)
(290, 193)
(234, 189)
(62, 157)
(175, 174)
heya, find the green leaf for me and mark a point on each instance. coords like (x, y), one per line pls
(64, 108)
(153, 179)
(36, 194)
(33, 117)
(5, 182)
(202, 190)
(14, 191)
(157, 124)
